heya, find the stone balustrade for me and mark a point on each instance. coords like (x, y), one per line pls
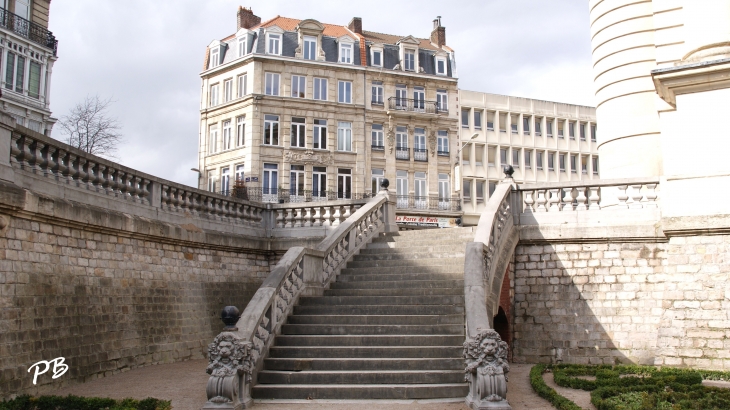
(314, 214)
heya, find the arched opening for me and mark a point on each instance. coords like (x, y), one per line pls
(501, 325)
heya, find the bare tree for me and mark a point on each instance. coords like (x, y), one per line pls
(90, 128)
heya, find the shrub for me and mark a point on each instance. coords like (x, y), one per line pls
(546, 392)
(26, 402)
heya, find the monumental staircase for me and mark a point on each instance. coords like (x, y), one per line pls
(390, 327)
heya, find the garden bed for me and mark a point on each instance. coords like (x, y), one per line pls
(81, 403)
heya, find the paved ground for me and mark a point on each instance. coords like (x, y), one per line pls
(184, 384)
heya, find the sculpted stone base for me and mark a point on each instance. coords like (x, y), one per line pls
(484, 405)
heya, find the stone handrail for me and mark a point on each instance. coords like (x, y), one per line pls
(236, 353)
(589, 195)
(485, 263)
(314, 214)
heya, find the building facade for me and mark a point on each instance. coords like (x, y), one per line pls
(27, 54)
(303, 111)
(543, 141)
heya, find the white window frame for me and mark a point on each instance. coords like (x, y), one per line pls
(444, 183)
(225, 180)
(539, 160)
(298, 136)
(441, 60)
(212, 138)
(377, 136)
(320, 89)
(442, 100)
(242, 85)
(319, 139)
(372, 56)
(307, 41)
(211, 181)
(377, 93)
(346, 53)
(213, 95)
(406, 53)
(298, 86)
(344, 92)
(344, 177)
(226, 135)
(528, 159)
(240, 131)
(242, 46)
(270, 181)
(215, 57)
(272, 84)
(377, 175)
(296, 181)
(344, 136)
(240, 173)
(273, 121)
(227, 90)
(516, 158)
(442, 142)
(273, 43)
(319, 182)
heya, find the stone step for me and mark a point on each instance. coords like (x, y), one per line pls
(441, 247)
(454, 329)
(368, 340)
(362, 377)
(379, 310)
(431, 233)
(371, 352)
(381, 300)
(448, 273)
(376, 319)
(391, 256)
(430, 363)
(390, 263)
(391, 284)
(455, 237)
(396, 292)
(360, 391)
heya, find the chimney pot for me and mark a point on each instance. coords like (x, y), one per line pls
(438, 35)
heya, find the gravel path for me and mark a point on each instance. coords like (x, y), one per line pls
(184, 384)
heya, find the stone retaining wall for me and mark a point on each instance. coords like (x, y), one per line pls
(649, 303)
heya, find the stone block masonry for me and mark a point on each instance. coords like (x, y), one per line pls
(109, 303)
(650, 303)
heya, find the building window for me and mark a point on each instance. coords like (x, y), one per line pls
(273, 43)
(320, 134)
(376, 178)
(19, 73)
(466, 155)
(297, 132)
(538, 159)
(377, 89)
(480, 190)
(538, 126)
(561, 132)
(503, 156)
(465, 118)
(419, 98)
(226, 135)
(419, 182)
(319, 182)
(271, 129)
(34, 80)
(571, 130)
(584, 164)
(344, 136)
(477, 120)
(526, 125)
(442, 100)
(593, 132)
(528, 159)
(443, 142)
(492, 187)
(491, 156)
(551, 161)
(582, 131)
(401, 95)
(296, 180)
(466, 189)
(515, 157)
(377, 60)
(377, 137)
(320, 89)
(9, 71)
(490, 120)
(419, 145)
(346, 53)
(215, 58)
(574, 164)
(211, 181)
(594, 165)
(213, 139)
(239, 172)
(502, 122)
(270, 178)
(514, 122)
(410, 60)
(298, 85)
(227, 90)
(401, 137)
(401, 188)
(242, 85)
(241, 131)
(214, 95)
(562, 162)
(344, 183)
(225, 180)
(272, 84)
(310, 47)
(441, 66)
(344, 94)
(242, 47)
(444, 189)
(549, 128)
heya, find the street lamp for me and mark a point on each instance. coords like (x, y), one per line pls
(466, 142)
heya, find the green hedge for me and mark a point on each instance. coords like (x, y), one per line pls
(546, 392)
(645, 387)
(82, 403)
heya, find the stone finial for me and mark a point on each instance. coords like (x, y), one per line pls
(508, 170)
(486, 371)
(230, 316)
(384, 184)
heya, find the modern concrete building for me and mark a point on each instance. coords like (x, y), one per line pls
(305, 111)
(543, 141)
(27, 53)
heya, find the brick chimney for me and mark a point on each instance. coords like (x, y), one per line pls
(438, 35)
(355, 25)
(246, 18)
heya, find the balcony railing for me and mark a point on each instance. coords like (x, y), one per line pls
(420, 154)
(377, 147)
(427, 203)
(32, 31)
(402, 153)
(443, 153)
(283, 195)
(409, 104)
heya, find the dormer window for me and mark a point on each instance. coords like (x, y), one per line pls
(310, 47)
(242, 46)
(410, 60)
(273, 43)
(346, 53)
(440, 66)
(377, 59)
(215, 58)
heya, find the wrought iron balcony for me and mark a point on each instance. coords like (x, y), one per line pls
(402, 153)
(428, 203)
(443, 153)
(32, 31)
(375, 147)
(411, 105)
(420, 154)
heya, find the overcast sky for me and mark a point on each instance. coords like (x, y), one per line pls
(147, 56)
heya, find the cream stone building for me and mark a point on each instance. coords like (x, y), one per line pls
(304, 111)
(543, 141)
(27, 54)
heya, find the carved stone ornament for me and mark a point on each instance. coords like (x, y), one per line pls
(432, 142)
(391, 138)
(486, 371)
(309, 157)
(230, 368)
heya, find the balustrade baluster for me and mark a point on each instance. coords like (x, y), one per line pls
(289, 218)
(308, 217)
(651, 196)
(528, 200)
(27, 157)
(541, 201)
(122, 184)
(299, 217)
(99, 177)
(317, 218)
(622, 197)
(594, 198)
(553, 200)
(327, 217)
(636, 195)
(42, 151)
(567, 200)
(52, 159)
(70, 170)
(280, 218)
(347, 213)
(60, 163)
(581, 198)
(16, 153)
(336, 216)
